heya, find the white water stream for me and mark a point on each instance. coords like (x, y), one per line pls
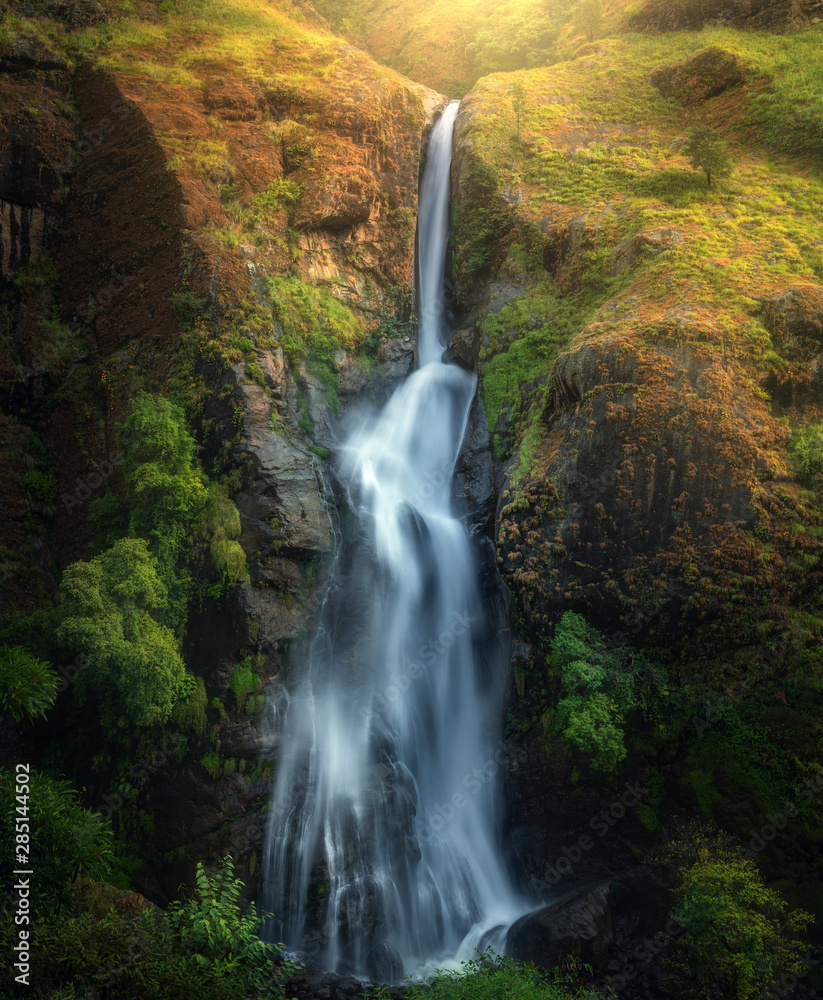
(382, 856)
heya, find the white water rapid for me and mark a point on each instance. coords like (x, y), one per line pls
(382, 856)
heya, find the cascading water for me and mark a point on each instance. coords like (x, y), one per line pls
(381, 852)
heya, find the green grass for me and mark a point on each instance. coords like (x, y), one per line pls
(493, 978)
(525, 338)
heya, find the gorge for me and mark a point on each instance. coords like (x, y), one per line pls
(380, 750)
(485, 613)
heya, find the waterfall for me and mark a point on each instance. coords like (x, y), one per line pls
(381, 856)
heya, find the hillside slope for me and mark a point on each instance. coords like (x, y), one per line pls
(650, 363)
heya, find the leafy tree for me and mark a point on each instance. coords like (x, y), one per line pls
(589, 18)
(707, 151)
(736, 932)
(64, 839)
(110, 610)
(28, 686)
(518, 92)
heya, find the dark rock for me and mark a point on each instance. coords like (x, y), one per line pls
(706, 75)
(384, 964)
(475, 483)
(580, 925)
(463, 349)
(26, 53)
(396, 358)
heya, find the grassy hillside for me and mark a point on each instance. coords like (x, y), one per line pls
(636, 318)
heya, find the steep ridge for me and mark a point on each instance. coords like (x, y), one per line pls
(649, 361)
(219, 203)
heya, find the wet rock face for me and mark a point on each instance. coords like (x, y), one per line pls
(580, 925)
(641, 471)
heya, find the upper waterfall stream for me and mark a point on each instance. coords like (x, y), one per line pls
(382, 854)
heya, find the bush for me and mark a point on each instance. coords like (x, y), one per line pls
(28, 686)
(65, 840)
(737, 934)
(116, 945)
(589, 718)
(212, 927)
(806, 446)
(109, 612)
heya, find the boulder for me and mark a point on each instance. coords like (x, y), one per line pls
(646, 244)
(463, 349)
(384, 964)
(711, 72)
(580, 925)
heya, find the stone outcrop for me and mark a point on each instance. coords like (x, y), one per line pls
(580, 925)
(706, 75)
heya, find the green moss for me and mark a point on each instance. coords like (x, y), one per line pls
(211, 764)
(525, 338)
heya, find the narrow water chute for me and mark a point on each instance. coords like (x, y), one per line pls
(381, 853)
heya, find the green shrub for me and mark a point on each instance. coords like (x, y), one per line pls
(28, 686)
(64, 840)
(492, 978)
(737, 934)
(212, 926)
(110, 610)
(600, 686)
(117, 946)
(806, 446)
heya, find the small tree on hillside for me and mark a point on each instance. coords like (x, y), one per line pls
(589, 18)
(518, 92)
(707, 151)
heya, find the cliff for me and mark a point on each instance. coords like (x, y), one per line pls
(219, 204)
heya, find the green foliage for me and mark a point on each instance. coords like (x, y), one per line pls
(188, 308)
(590, 719)
(113, 945)
(491, 977)
(213, 926)
(64, 839)
(482, 221)
(525, 337)
(190, 711)
(167, 492)
(281, 193)
(111, 610)
(708, 152)
(220, 521)
(245, 681)
(212, 764)
(314, 323)
(736, 933)
(806, 446)
(28, 686)
(600, 686)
